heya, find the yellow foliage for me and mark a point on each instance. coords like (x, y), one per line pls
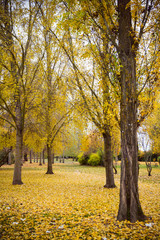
(152, 126)
(7, 138)
(92, 142)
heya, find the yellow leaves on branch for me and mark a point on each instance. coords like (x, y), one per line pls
(152, 126)
(7, 137)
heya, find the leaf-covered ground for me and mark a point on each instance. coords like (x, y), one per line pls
(72, 204)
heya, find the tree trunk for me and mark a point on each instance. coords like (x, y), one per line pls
(30, 156)
(40, 160)
(10, 158)
(115, 170)
(25, 157)
(108, 161)
(37, 158)
(18, 158)
(49, 157)
(53, 158)
(34, 158)
(129, 206)
(43, 157)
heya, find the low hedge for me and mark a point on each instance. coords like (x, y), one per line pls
(94, 159)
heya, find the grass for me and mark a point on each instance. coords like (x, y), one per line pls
(72, 204)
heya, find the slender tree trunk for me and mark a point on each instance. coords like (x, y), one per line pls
(37, 158)
(49, 157)
(43, 157)
(18, 158)
(34, 157)
(19, 144)
(49, 101)
(40, 160)
(108, 163)
(53, 158)
(25, 156)
(30, 156)
(10, 158)
(6, 19)
(129, 206)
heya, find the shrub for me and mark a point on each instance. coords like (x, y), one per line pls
(94, 159)
(83, 159)
(100, 153)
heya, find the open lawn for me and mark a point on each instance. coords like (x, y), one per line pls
(72, 204)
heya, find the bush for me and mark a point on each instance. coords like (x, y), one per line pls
(94, 159)
(100, 154)
(83, 159)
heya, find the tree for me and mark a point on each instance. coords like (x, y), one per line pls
(16, 53)
(95, 105)
(56, 111)
(82, 84)
(129, 207)
(126, 28)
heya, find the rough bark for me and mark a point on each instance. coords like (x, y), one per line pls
(49, 157)
(18, 155)
(129, 206)
(108, 163)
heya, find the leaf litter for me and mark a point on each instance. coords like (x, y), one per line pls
(70, 206)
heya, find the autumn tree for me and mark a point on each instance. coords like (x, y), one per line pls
(129, 44)
(125, 28)
(16, 61)
(56, 110)
(95, 103)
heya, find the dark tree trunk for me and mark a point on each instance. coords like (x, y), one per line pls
(43, 157)
(10, 158)
(5, 157)
(8, 40)
(108, 163)
(149, 168)
(53, 158)
(129, 206)
(40, 159)
(34, 157)
(18, 158)
(115, 170)
(49, 157)
(30, 156)
(25, 157)
(37, 158)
